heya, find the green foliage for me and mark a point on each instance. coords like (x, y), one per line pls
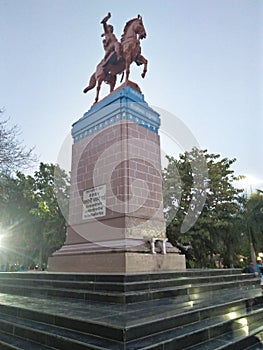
(253, 219)
(217, 229)
(32, 219)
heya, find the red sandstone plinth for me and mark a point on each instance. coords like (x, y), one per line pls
(116, 221)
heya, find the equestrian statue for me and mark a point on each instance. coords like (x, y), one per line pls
(118, 55)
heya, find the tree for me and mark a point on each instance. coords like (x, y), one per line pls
(50, 183)
(215, 231)
(253, 220)
(13, 155)
(15, 219)
(31, 214)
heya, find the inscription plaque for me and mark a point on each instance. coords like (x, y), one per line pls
(94, 202)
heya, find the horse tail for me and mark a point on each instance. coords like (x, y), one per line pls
(92, 83)
(122, 76)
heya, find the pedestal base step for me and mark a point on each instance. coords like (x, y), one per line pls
(116, 262)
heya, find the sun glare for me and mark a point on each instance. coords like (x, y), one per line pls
(250, 183)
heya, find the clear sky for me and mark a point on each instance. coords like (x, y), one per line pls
(205, 67)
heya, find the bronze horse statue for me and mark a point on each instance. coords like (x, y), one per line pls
(130, 51)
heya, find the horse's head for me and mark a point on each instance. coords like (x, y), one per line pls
(133, 28)
(140, 30)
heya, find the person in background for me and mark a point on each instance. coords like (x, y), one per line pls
(261, 279)
(259, 265)
(251, 268)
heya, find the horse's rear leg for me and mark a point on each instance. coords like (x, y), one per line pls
(98, 91)
(127, 73)
(112, 83)
(92, 83)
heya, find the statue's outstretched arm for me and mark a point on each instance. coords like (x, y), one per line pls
(105, 19)
(104, 22)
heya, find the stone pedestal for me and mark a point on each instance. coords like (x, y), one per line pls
(116, 221)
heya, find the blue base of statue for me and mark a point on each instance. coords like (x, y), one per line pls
(125, 103)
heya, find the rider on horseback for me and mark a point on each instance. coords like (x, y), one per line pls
(118, 56)
(110, 42)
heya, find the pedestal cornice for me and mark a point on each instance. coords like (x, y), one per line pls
(125, 103)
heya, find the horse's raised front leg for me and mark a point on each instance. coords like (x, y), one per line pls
(143, 61)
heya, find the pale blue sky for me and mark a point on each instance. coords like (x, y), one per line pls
(205, 67)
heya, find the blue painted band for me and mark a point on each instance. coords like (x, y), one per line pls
(126, 104)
